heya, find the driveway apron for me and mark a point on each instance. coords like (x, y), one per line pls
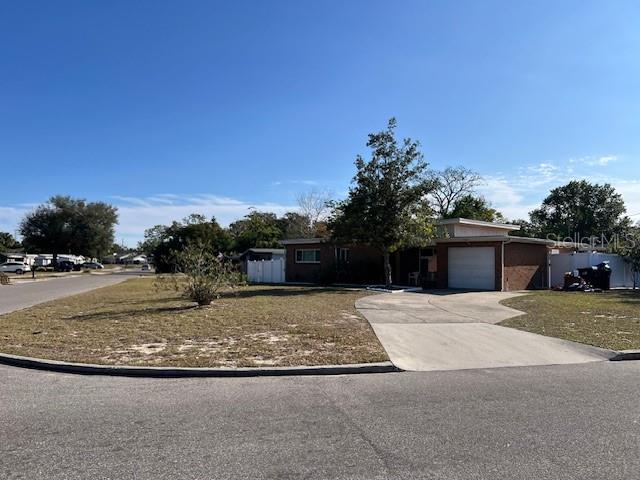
(453, 330)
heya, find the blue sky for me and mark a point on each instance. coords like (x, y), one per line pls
(167, 108)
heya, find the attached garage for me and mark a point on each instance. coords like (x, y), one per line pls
(502, 263)
(472, 268)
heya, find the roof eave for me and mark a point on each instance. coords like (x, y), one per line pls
(478, 223)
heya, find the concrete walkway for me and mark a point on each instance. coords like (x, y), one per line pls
(452, 330)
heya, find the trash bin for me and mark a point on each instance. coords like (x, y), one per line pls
(598, 276)
(589, 274)
(571, 282)
(603, 276)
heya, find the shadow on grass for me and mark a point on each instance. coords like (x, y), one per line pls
(146, 301)
(624, 296)
(283, 292)
(599, 301)
(134, 307)
(128, 313)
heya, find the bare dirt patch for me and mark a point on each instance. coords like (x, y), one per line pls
(132, 323)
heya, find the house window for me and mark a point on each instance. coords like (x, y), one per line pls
(308, 255)
(343, 255)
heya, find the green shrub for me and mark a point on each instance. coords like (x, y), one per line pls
(204, 275)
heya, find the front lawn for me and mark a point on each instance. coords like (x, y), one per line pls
(608, 320)
(133, 323)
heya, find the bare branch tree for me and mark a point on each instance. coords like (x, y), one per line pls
(314, 206)
(449, 185)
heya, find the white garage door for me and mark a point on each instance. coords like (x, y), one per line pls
(472, 268)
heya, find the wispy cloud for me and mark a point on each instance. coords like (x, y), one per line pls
(131, 200)
(10, 217)
(500, 187)
(630, 191)
(310, 183)
(505, 196)
(594, 160)
(540, 174)
(517, 194)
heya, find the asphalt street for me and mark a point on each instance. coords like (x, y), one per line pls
(549, 422)
(22, 295)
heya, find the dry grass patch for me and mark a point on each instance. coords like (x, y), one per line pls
(133, 323)
(608, 320)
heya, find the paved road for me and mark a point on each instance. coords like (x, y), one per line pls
(569, 422)
(452, 330)
(23, 295)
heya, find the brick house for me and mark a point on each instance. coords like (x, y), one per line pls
(315, 260)
(467, 254)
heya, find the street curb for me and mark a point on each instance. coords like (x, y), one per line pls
(626, 355)
(189, 372)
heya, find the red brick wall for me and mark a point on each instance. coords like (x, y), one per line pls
(443, 261)
(307, 272)
(525, 266)
(365, 266)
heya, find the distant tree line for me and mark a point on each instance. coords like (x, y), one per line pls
(394, 201)
(255, 230)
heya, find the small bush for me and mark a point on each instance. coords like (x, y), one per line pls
(205, 275)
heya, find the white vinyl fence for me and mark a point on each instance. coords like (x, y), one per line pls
(621, 274)
(266, 271)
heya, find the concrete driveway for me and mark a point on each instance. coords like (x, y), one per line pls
(452, 330)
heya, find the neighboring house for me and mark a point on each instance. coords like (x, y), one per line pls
(25, 258)
(40, 260)
(45, 259)
(134, 258)
(252, 254)
(468, 254)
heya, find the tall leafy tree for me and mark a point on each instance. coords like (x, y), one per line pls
(257, 229)
(69, 225)
(526, 229)
(165, 242)
(295, 225)
(474, 208)
(630, 251)
(383, 206)
(8, 242)
(581, 209)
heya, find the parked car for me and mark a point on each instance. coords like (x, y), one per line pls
(67, 266)
(14, 267)
(92, 265)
